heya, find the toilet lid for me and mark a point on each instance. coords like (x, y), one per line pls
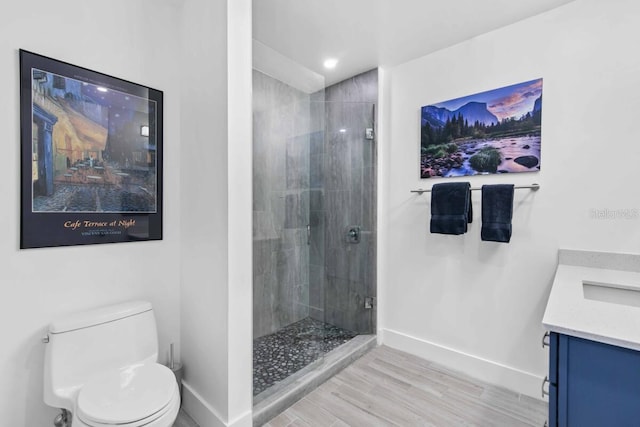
(126, 395)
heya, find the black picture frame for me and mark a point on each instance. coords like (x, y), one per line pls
(88, 174)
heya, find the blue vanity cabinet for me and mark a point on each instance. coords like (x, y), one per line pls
(592, 384)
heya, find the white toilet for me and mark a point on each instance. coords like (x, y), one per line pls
(101, 366)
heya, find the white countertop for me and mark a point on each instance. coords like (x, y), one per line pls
(570, 312)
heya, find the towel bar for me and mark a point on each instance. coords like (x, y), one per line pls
(532, 187)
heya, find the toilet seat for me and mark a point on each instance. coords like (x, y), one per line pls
(134, 396)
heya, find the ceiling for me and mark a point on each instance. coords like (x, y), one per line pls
(364, 34)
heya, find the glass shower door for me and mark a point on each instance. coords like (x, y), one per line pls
(346, 227)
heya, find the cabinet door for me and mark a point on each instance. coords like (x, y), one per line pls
(553, 379)
(602, 384)
(562, 381)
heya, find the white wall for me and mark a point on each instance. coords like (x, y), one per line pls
(204, 275)
(216, 217)
(131, 40)
(240, 196)
(477, 306)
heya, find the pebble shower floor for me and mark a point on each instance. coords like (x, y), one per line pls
(290, 349)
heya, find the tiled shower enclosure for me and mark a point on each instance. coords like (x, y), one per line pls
(314, 221)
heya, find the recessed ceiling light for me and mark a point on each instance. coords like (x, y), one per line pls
(343, 130)
(330, 64)
(102, 89)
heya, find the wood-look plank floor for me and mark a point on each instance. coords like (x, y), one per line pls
(387, 387)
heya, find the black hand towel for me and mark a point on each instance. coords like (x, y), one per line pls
(497, 211)
(451, 208)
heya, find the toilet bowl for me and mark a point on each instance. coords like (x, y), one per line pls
(141, 395)
(101, 366)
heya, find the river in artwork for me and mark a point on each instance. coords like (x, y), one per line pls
(517, 154)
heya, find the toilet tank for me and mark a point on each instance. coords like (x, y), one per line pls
(94, 341)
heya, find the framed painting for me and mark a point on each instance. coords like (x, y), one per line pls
(91, 156)
(497, 131)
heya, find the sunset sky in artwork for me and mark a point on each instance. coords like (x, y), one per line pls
(509, 101)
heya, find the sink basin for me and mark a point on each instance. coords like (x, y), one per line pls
(614, 293)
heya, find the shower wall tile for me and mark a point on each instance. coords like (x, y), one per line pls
(316, 142)
(349, 261)
(260, 185)
(316, 171)
(292, 286)
(262, 226)
(350, 119)
(263, 313)
(304, 270)
(369, 210)
(367, 153)
(337, 218)
(264, 256)
(336, 293)
(301, 311)
(297, 163)
(316, 286)
(277, 163)
(286, 271)
(296, 210)
(358, 318)
(337, 162)
(335, 315)
(335, 264)
(281, 145)
(293, 238)
(357, 261)
(356, 145)
(318, 98)
(301, 297)
(316, 241)
(360, 88)
(349, 309)
(276, 209)
(264, 285)
(317, 111)
(302, 114)
(316, 200)
(355, 197)
(370, 272)
(317, 313)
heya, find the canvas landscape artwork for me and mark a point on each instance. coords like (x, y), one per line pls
(497, 131)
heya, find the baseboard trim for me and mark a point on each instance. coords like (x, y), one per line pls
(244, 420)
(198, 409)
(203, 413)
(482, 369)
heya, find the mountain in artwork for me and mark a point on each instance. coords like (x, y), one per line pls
(471, 111)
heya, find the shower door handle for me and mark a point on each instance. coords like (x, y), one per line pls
(308, 234)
